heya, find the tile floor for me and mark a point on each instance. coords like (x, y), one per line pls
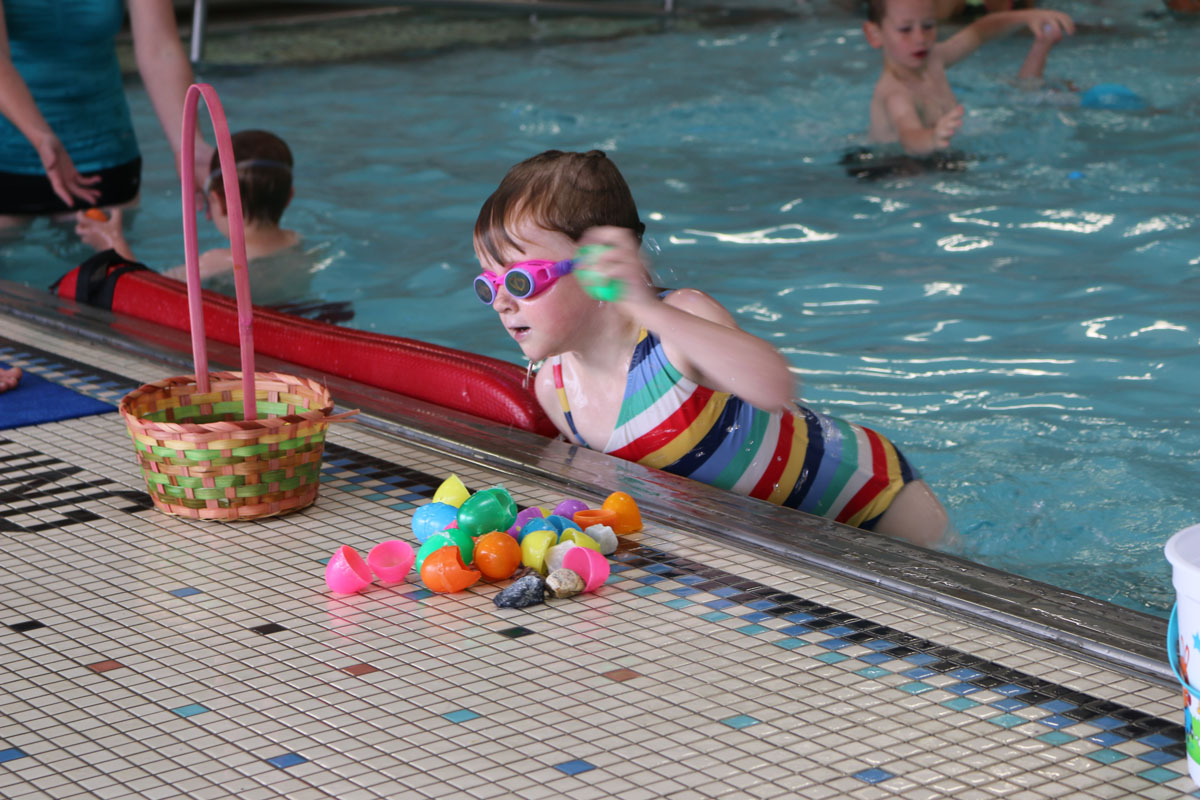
(143, 655)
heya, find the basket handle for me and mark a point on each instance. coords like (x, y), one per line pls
(237, 241)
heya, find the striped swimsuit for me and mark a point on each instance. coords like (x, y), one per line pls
(803, 460)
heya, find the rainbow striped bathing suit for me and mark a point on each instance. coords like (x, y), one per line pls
(803, 460)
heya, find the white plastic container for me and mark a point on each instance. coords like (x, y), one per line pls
(1183, 645)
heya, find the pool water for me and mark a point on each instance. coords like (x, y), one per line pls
(1026, 330)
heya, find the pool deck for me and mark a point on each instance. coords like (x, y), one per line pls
(151, 656)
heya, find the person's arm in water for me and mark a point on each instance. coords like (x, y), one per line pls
(109, 234)
(987, 27)
(167, 75)
(699, 336)
(911, 131)
(18, 106)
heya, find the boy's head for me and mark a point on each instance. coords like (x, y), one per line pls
(562, 192)
(905, 30)
(264, 170)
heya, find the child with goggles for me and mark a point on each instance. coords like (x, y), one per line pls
(668, 379)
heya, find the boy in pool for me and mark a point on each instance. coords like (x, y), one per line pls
(264, 173)
(668, 379)
(913, 103)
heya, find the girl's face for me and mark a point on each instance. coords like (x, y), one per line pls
(548, 323)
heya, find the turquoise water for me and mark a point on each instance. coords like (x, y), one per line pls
(1026, 330)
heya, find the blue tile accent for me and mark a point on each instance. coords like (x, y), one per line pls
(574, 767)
(1058, 721)
(966, 674)
(756, 616)
(875, 658)
(1008, 720)
(1157, 740)
(720, 603)
(917, 673)
(962, 688)
(838, 631)
(11, 754)
(376, 498)
(1009, 689)
(679, 602)
(649, 580)
(960, 703)
(715, 616)
(643, 591)
(873, 775)
(684, 591)
(1105, 723)
(795, 630)
(789, 644)
(419, 594)
(658, 568)
(1107, 756)
(1159, 774)
(759, 605)
(401, 506)
(879, 644)
(286, 760)
(461, 715)
(188, 591)
(1157, 757)
(920, 659)
(871, 672)
(725, 591)
(1107, 738)
(916, 687)
(834, 644)
(798, 616)
(740, 721)
(1056, 738)
(752, 629)
(1057, 706)
(690, 579)
(190, 710)
(831, 658)
(1008, 704)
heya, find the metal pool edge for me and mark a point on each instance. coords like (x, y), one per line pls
(1129, 640)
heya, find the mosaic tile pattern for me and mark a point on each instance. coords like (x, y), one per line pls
(147, 656)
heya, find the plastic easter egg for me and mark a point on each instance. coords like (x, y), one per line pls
(523, 516)
(590, 565)
(452, 492)
(1115, 96)
(561, 524)
(534, 547)
(567, 508)
(629, 518)
(391, 560)
(453, 536)
(487, 510)
(580, 538)
(431, 518)
(588, 517)
(346, 572)
(497, 555)
(444, 571)
(536, 524)
(97, 214)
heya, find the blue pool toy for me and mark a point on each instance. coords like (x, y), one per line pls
(1113, 96)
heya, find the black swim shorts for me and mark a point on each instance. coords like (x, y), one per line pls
(32, 194)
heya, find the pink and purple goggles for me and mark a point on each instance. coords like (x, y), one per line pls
(523, 279)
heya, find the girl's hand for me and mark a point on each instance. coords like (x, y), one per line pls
(1046, 24)
(947, 126)
(66, 181)
(622, 261)
(103, 234)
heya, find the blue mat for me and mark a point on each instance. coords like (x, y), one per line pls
(37, 400)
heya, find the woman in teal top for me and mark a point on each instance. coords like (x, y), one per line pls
(66, 138)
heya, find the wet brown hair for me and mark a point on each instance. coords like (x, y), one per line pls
(876, 10)
(563, 192)
(266, 188)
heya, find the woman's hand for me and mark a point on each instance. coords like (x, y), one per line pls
(66, 181)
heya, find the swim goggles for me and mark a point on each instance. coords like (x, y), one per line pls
(522, 280)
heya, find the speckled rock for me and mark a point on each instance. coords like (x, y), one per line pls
(564, 583)
(528, 591)
(604, 537)
(554, 556)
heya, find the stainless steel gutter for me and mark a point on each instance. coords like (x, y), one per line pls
(1118, 637)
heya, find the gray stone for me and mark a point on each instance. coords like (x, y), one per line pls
(527, 591)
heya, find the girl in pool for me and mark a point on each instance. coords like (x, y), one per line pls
(668, 379)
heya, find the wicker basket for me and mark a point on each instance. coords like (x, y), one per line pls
(226, 445)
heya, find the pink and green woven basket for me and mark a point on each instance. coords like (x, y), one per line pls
(226, 445)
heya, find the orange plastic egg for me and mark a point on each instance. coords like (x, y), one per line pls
(629, 519)
(444, 571)
(596, 516)
(96, 214)
(497, 555)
